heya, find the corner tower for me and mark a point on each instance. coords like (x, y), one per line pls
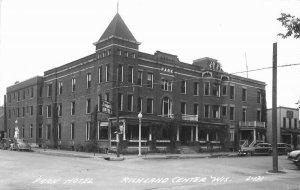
(117, 33)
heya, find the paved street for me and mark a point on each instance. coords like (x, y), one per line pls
(29, 170)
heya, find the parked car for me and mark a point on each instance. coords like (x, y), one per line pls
(5, 143)
(294, 156)
(283, 148)
(258, 149)
(20, 144)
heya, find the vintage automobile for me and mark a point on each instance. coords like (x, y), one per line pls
(294, 156)
(283, 148)
(258, 149)
(20, 144)
(5, 143)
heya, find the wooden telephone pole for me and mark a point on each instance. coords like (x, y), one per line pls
(274, 110)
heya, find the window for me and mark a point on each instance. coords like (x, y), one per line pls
(19, 96)
(231, 92)
(100, 74)
(140, 104)
(196, 109)
(72, 131)
(244, 114)
(183, 108)
(88, 106)
(231, 113)
(60, 85)
(49, 90)
(41, 92)
(224, 111)
(140, 76)
(258, 115)
(150, 80)
(284, 122)
(73, 84)
(149, 105)
(23, 112)
(130, 103)
(206, 111)
(73, 108)
(120, 73)
(120, 101)
(9, 98)
(290, 123)
(166, 85)
(102, 131)
(40, 109)
(23, 131)
(18, 112)
(196, 89)
(244, 94)
(31, 110)
(295, 123)
(31, 92)
(216, 112)
(206, 88)
(130, 74)
(119, 52)
(107, 73)
(107, 97)
(49, 111)
(133, 55)
(23, 94)
(48, 132)
(31, 131)
(258, 97)
(59, 110)
(216, 90)
(183, 87)
(99, 102)
(59, 131)
(166, 107)
(88, 80)
(87, 131)
(40, 131)
(224, 90)
(9, 114)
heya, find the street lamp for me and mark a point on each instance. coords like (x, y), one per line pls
(140, 116)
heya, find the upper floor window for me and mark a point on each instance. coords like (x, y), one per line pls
(120, 101)
(224, 111)
(41, 91)
(130, 74)
(120, 73)
(60, 87)
(40, 109)
(206, 111)
(73, 84)
(59, 109)
(196, 88)
(107, 73)
(166, 107)
(224, 90)
(31, 92)
(140, 104)
(244, 114)
(72, 131)
(244, 94)
(258, 97)
(88, 80)
(196, 109)
(49, 90)
(284, 122)
(130, 102)
(231, 92)
(216, 90)
(31, 110)
(206, 88)
(166, 85)
(23, 94)
(100, 74)
(87, 131)
(216, 111)
(73, 108)
(149, 105)
(49, 111)
(88, 106)
(150, 80)
(231, 113)
(107, 96)
(140, 76)
(183, 108)
(183, 86)
(295, 123)
(59, 131)
(258, 115)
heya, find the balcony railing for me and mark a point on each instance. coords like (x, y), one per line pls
(190, 117)
(252, 124)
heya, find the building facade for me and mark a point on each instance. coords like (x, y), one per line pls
(88, 98)
(288, 130)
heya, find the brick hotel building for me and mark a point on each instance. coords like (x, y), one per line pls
(209, 105)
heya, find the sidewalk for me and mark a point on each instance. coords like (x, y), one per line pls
(156, 156)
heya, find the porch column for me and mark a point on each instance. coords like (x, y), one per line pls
(207, 137)
(254, 135)
(177, 134)
(192, 133)
(197, 133)
(150, 134)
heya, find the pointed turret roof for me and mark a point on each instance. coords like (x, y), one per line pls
(117, 28)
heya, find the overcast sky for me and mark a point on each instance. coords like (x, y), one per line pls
(37, 35)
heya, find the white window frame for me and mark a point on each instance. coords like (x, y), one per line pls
(131, 68)
(208, 88)
(59, 109)
(121, 102)
(208, 111)
(73, 107)
(88, 106)
(88, 80)
(73, 84)
(100, 74)
(141, 77)
(49, 106)
(106, 73)
(87, 131)
(60, 87)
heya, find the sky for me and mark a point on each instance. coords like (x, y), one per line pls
(38, 35)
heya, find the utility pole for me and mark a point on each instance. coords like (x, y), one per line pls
(274, 110)
(5, 118)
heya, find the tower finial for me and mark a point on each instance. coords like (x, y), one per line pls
(117, 6)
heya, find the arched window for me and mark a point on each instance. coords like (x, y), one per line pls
(207, 75)
(166, 107)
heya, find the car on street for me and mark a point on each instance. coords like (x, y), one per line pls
(20, 144)
(258, 149)
(294, 156)
(283, 148)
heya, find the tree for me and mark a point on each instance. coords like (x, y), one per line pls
(292, 24)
